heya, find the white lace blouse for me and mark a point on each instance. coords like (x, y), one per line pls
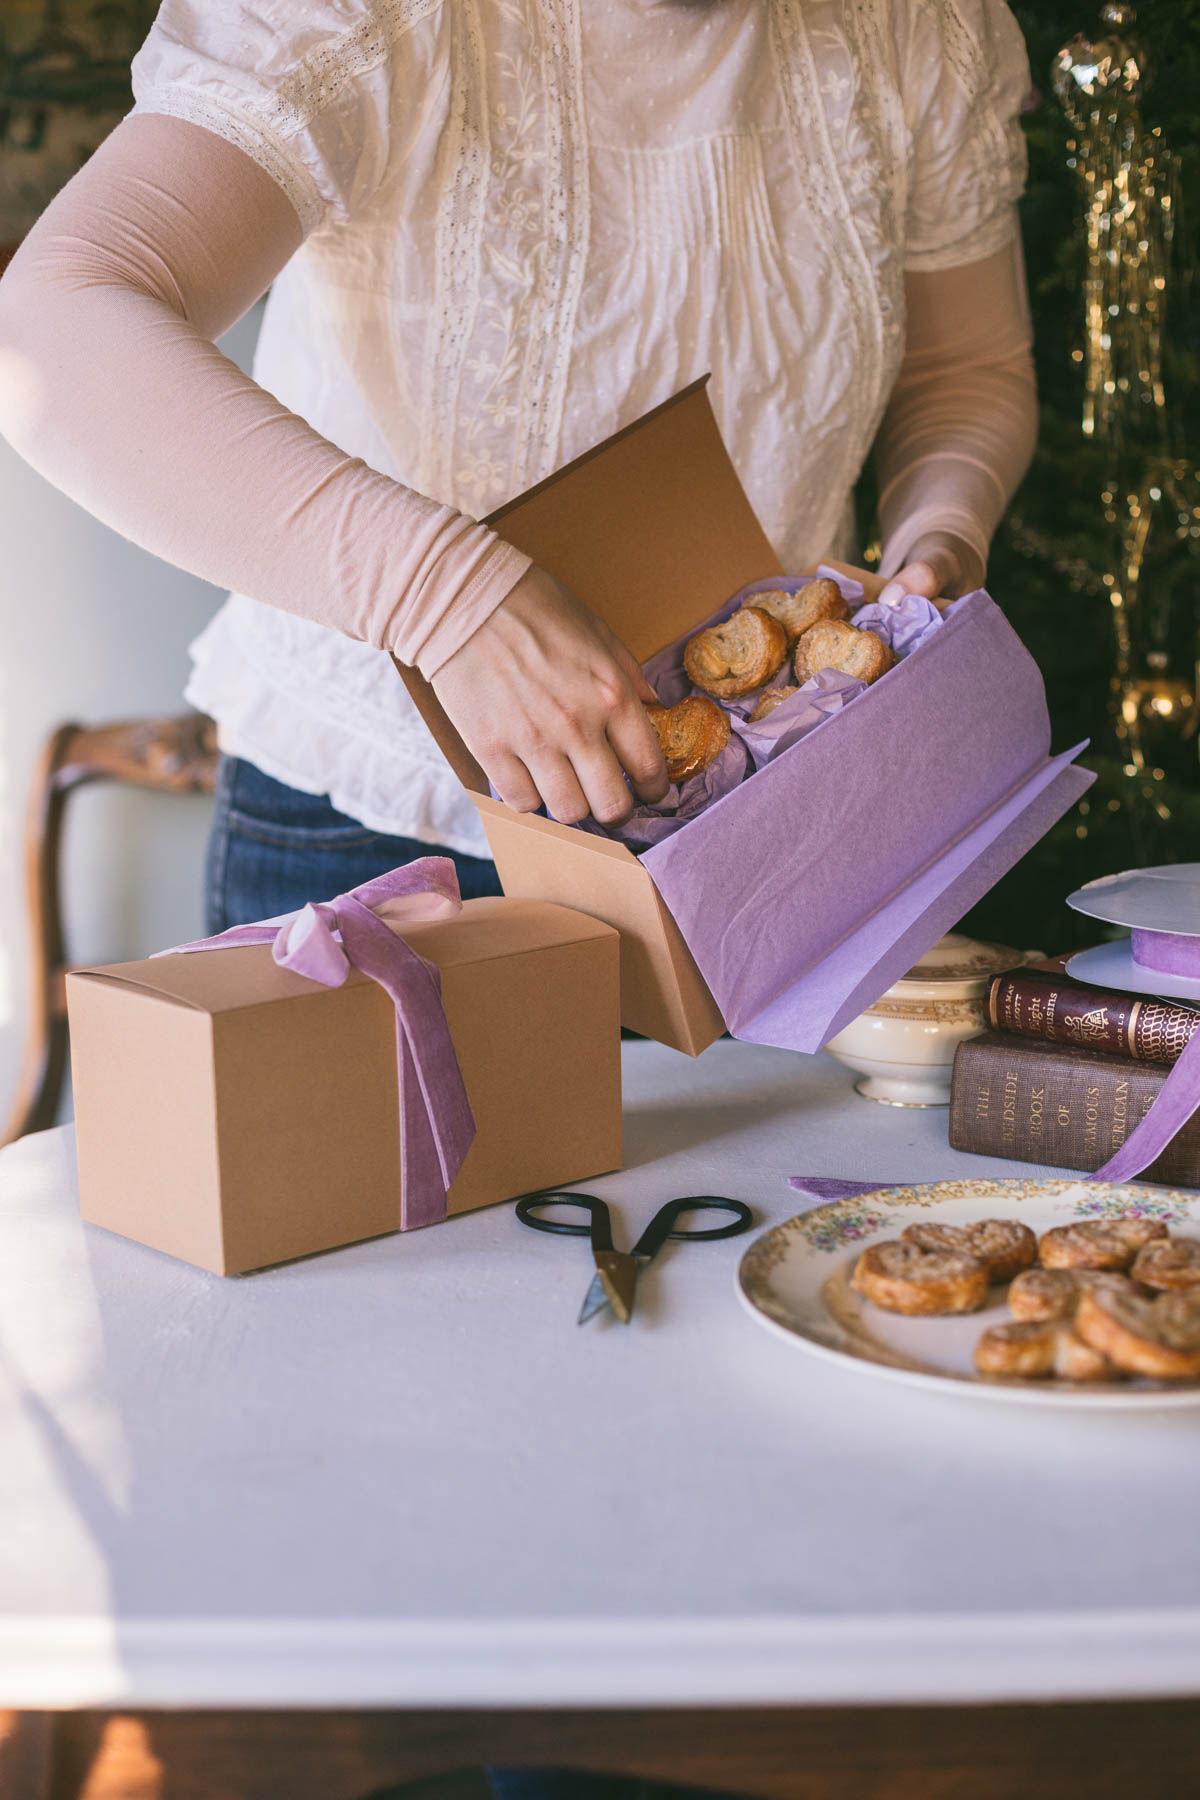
(527, 222)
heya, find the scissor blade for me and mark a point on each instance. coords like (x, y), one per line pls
(593, 1300)
(615, 1278)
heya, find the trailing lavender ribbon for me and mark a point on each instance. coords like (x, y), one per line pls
(327, 938)
(830, 1187)
(1166, 953)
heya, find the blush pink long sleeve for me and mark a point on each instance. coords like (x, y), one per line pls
(961, 423)
(112, 387)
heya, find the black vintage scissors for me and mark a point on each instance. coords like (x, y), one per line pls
(616, 1274)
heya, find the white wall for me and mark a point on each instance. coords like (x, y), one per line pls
(93, 629)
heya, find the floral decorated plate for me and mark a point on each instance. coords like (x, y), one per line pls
(795, 1280)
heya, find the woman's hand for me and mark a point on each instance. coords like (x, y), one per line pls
(939, 566)
(549, 701)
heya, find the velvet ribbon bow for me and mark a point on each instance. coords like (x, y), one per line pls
(323, 941)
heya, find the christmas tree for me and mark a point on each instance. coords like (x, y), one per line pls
(1047, 561)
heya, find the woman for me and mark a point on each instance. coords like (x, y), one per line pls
(494, 232)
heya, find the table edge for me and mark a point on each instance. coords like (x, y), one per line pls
(69, 1662)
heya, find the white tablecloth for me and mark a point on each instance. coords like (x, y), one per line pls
(400, 1474)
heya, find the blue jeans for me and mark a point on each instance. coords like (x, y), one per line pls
(272, 848)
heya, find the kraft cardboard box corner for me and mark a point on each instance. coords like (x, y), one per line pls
(234, 1114)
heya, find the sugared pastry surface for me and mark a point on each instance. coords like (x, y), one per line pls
(1032, 1349)
(736, 657)
(771, 699)
(1168, 1263)
(1003, 1246)
(903, 1278)
(820, 599)
(1159, 1337)
(832, 644)
(1045, 1294)
(1097, 1243)
(691, 734)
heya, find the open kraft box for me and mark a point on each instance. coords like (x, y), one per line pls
(796, 900)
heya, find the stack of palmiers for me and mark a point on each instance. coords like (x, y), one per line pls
(1092, 1301)
(747, 650)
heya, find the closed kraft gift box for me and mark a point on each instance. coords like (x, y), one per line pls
(235, 1114)
(794, 901)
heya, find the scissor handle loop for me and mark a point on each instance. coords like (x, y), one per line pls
(598, 1228)
(662, 1226)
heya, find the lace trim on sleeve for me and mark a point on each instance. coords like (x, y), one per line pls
(993, 234)
(251, 136)
(269, 124)
(325, 72)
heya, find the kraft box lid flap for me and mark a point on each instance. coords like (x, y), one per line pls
(215, 982)
(652, 529)
(246, 975)
(495, 926)
(552, 831)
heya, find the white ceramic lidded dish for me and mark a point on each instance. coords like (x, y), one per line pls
(903, 1046)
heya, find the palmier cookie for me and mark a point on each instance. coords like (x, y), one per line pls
(736, 657)
(1003, 1246)
(690, 734)
(819, 599)
(1097, 1243)
(1159, 1337)
(903, 1278)
(833, 645)
(1169, 1263)
(771, 699)
(1023, 1347)
(1040, 1295)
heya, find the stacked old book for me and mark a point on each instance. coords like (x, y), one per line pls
(1067, 1070)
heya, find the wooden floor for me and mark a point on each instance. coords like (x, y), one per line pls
(449, 1787)
(1127, 1750)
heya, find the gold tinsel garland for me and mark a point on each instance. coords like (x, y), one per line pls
(1129, 181)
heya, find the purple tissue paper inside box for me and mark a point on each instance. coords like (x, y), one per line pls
(903, 626)
(803, 889)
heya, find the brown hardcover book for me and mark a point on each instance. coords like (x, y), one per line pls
(1070, 1107)
(1042, 1003)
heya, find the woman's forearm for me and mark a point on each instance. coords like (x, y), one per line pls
(112, 388)
(961, 423)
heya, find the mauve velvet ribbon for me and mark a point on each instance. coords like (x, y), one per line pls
(1164, 953)
(830, 1187)
(327, 938)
